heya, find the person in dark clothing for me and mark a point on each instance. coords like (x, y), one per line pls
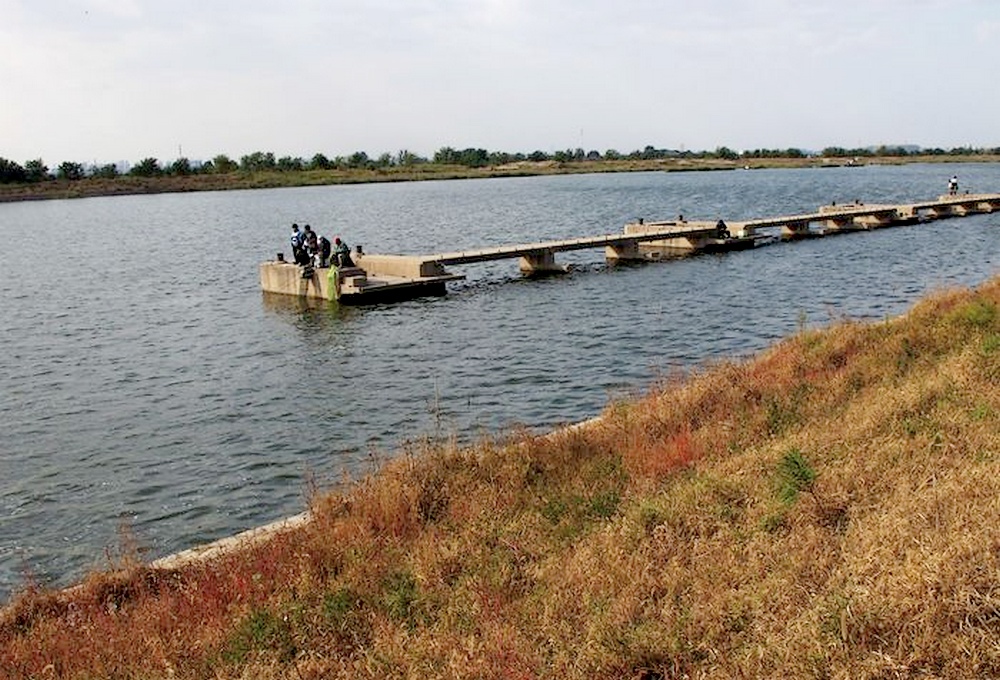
(324, 251)
(311, 243)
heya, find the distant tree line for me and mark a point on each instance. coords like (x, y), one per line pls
(261, 161)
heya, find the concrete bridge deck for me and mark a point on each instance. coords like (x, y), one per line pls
(617, 243)
(858, 215)
(638, 241)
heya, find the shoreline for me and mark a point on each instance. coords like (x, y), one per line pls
(256, 535)
(128, 185)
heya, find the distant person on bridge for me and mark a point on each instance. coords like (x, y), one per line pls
(953, 185)
(342, 253)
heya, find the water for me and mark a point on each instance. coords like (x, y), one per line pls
(146, 382)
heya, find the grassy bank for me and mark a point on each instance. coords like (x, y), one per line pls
(125, 185)
(828, 509)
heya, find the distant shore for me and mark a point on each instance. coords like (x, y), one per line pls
(129, 185)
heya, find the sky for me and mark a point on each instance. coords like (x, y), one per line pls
(96, 81)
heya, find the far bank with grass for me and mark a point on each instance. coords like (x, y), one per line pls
(94, 186)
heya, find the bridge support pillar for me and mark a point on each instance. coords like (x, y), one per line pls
(791, 230)
(629, 250)
(538, 262)
(970, 208)
(878, 219)
(836, 224)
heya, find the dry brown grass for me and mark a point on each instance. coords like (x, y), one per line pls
(654, 543)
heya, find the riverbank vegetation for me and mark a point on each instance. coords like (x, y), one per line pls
(826, 509)
(34, 180)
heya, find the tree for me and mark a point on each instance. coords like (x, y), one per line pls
(257, 161)
(446, 156)
(358, 159)
(406, 158)
(612, 155)
(147, 167)
(289, 164)
(36, 170)
(181, 166)
(11, 172)
(725, 153)
(106, 171)
(474, 158)
(320, 162)
(650, 153)
(223, 164)
(70, 170)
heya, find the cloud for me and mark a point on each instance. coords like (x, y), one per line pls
(131, 78)
(988, 31)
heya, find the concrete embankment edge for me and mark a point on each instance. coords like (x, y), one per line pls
(251, 537)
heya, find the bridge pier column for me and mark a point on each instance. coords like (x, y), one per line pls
(838, 224)
(940, 211)
(876, 220)
(629, 250)
(792, 230)
(970, 208)
(539, 261)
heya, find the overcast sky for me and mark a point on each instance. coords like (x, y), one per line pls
(108, 80)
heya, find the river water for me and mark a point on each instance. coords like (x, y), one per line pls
(147, 383)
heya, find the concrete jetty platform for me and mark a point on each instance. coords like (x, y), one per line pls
(380, 277)
(351, 285)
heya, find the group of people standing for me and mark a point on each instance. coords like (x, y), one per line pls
(308, 248)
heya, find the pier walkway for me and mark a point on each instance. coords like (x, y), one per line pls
(858, 216)
(539, 256)
(426, 274)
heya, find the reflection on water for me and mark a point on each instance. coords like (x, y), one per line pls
(289, 307)
(148, 382)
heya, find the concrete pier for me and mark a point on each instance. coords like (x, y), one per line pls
(853, 216)
(388, 277)
(353, 285)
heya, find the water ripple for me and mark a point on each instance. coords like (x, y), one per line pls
(162, 392)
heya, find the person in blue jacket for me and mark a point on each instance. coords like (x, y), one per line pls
(299, 255)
